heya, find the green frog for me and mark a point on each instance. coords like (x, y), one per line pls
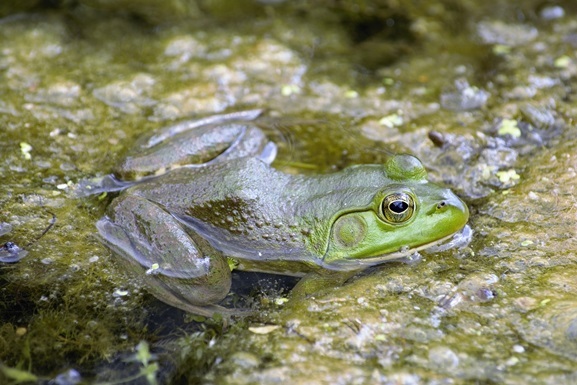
(201, 198)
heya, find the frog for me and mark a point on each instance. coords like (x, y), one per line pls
(201, 198)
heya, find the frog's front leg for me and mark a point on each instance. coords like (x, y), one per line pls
(169, 262)
(316, 282)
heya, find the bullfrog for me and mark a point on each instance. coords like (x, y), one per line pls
(200, 198)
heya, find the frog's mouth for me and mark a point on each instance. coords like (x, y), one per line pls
(459, 240)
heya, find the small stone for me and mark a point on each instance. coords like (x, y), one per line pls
(499, 32)
(551, 12)
(443, 358)
(120, 293)
(266, 329)
(245, 360)
(518, 349)
(464, 98)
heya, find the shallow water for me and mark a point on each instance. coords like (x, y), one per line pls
(482, 96)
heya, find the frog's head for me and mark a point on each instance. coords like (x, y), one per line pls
(407, 215)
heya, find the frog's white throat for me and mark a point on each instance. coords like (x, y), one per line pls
(403, 252)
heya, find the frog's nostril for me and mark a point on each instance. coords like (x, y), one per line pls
(452, 203)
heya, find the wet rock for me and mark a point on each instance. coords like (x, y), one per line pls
(538, 117)
(443, 358)
(245, 360)
(551, 12)
(499, 32)
(474, 288)
(510, 157)
(464, 98)
(553, 326)
(5, 228)
(64, 93)
(128, 96)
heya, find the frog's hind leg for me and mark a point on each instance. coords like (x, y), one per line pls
(188, 125)
(153, 244)
(197, 143)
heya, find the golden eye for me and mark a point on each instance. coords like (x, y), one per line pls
(398, 207)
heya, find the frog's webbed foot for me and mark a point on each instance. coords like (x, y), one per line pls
(268, 153)
(153, 244)
(94, 186)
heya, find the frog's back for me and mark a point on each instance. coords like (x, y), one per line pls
(218, 188)
(235, 206)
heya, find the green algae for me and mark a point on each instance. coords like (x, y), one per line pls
(79, 84)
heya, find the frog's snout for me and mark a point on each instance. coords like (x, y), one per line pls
(452, 202)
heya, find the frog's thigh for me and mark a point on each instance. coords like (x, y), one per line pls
(160, 251)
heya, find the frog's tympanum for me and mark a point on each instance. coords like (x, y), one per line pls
(205, 198)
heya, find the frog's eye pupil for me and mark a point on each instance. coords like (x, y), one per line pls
(397, 208)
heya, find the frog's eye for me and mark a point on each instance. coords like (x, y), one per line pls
(397, 207)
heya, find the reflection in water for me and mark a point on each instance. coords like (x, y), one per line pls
(320, 145)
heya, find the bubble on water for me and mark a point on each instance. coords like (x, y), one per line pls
(74, 267)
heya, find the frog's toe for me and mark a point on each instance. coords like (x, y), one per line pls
(106, 184)
(268, 153)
